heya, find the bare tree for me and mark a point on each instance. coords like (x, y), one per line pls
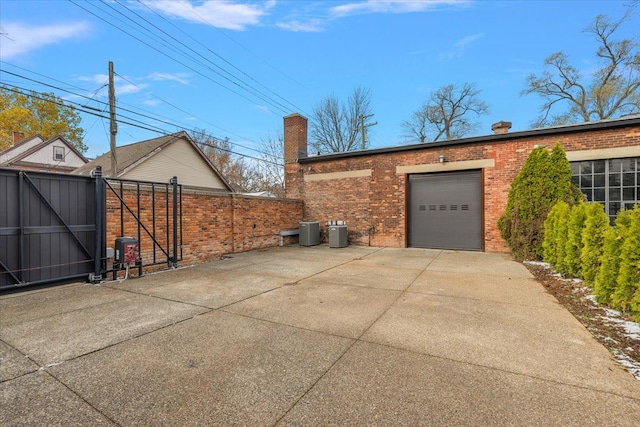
(238, 172)
(271, 168)
(336, 126)
(448, 113)
(611, 90)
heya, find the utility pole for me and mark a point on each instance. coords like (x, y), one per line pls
(363, 128)
(113, 125)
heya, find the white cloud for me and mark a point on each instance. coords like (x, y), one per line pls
(458, 49)
(123, 86)
(392, 6)
(19, 39)
(226, 14)
(151, 102)
(175, 77)
(309, 26)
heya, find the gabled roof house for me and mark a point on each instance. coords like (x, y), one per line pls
(39, 154)
(159, 160)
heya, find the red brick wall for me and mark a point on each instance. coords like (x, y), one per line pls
(213, 223)
(374, 207)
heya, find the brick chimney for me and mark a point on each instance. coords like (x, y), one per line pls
(295, 138)
(295, 147)
(18, 137)
(501, 127)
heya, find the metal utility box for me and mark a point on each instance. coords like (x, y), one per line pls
(338, 236)
(127, 250)
(309, 233)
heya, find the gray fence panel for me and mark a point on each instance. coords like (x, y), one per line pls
(47, 227)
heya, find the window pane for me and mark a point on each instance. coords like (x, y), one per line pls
(585, 181)
(628, 193)
(629, 206)
(585, 167)
(575, 180)
(614, 208)
(589, 193)
(628, 165)
(615, 165)
(599, 194)
(598, 166)
(614, 180)
(598, 180)
(628, 179)
(575, 167)
(614, 194)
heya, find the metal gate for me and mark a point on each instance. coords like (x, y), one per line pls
(445, 210)
(50, 227)
(150, 212)
(53, 227)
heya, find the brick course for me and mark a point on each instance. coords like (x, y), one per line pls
(213, 223)
(374, 206)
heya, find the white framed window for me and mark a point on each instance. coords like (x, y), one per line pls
(614, 182)
(58, 154)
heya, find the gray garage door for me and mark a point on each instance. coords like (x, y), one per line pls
(445, 210)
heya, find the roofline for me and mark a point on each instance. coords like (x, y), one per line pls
(24, 141)
(169, 141)
(44, 143)
(209, 162)
(509, 136)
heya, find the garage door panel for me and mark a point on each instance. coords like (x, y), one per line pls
(445, 210)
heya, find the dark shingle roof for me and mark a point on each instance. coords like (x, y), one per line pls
(127, 155)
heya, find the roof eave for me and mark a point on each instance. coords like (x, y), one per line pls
(560, 130)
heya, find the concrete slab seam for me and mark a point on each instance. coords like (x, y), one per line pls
(81, 398)
(359, 338)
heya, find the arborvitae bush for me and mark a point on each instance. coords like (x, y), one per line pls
(574, 240)
(595, 226)
(634, 264)
(560, 178)
(629, 274)
(605, 283)
(542, 181)
(555, 220)
(549, 248)
(560, 237)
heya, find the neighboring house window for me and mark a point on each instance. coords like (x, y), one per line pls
(615, 182)
(58, 154)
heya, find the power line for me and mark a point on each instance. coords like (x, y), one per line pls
(234, 41)
(213, 52)
(241, 85)
(139, 126)
(106, 105)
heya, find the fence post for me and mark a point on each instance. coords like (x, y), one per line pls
(96, 276)
(21, 260)
(174, 259)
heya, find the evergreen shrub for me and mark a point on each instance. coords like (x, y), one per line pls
(573, 245)
(628, 282)
(543, 180)
(595, 226)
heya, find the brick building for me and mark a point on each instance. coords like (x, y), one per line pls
(450, 194)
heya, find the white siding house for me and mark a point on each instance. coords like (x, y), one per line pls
(159, 160)
(36, 153)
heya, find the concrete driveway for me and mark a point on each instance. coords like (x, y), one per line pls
(309, 336)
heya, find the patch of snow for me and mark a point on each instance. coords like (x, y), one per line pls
(538, 263)
(592, 298)
(613, 313)
(632, 329)
(630, 365)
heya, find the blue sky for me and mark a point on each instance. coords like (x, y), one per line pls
(292, 54)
